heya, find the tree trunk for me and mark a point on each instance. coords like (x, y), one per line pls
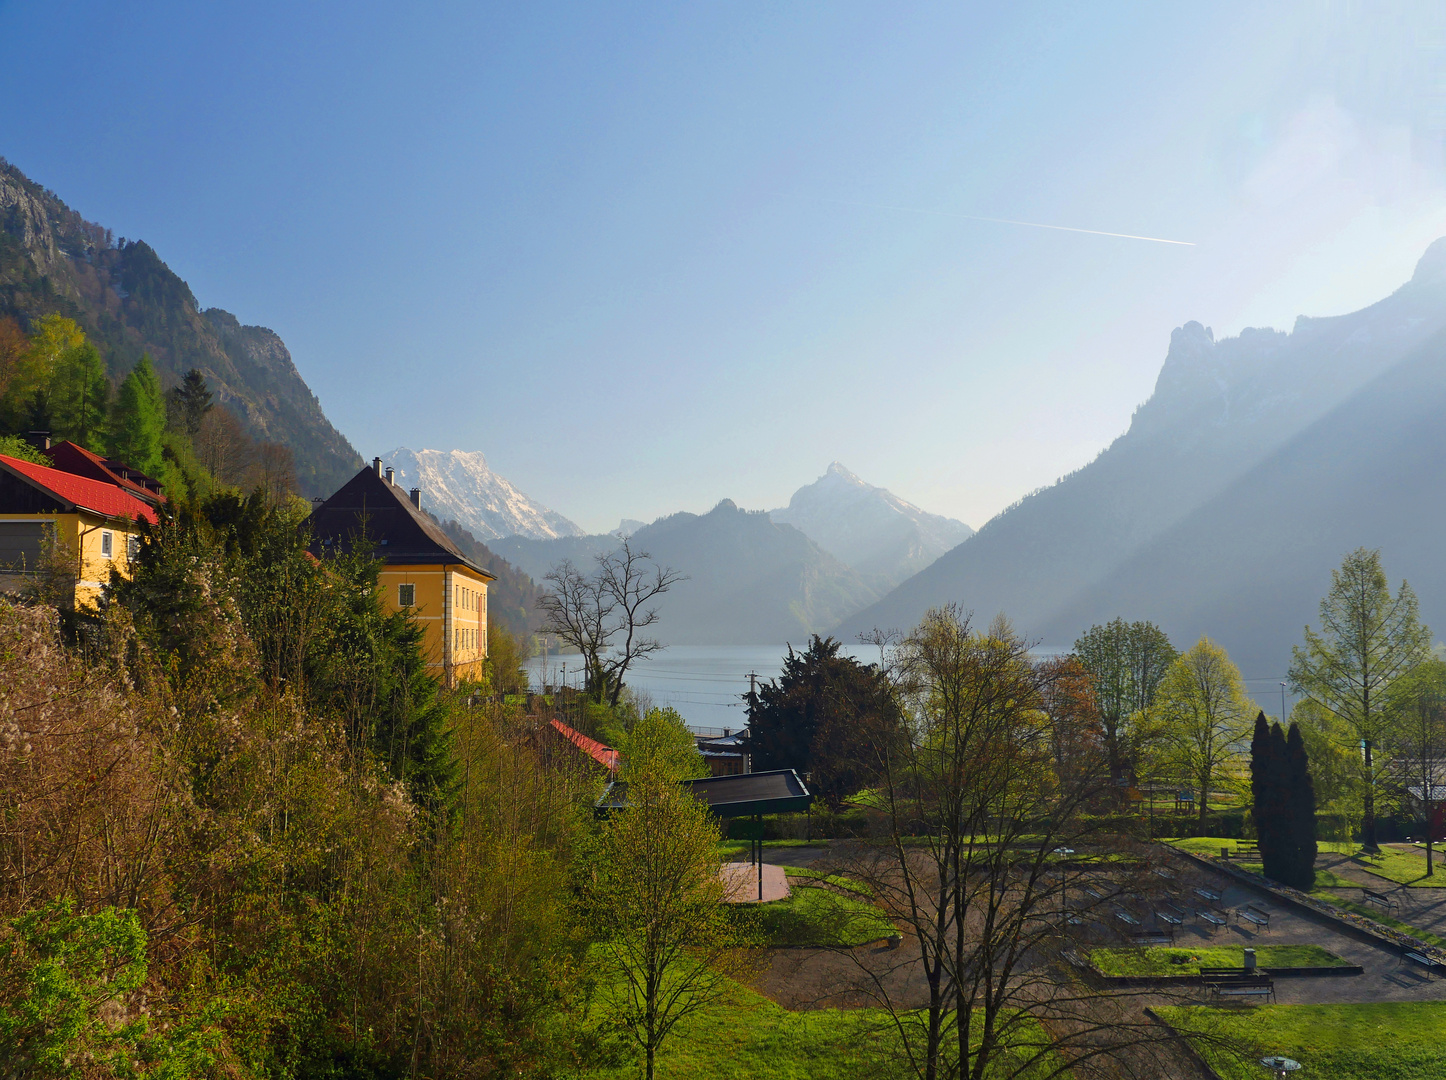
(1204, 798)
(650, 1063)
(1368, 815)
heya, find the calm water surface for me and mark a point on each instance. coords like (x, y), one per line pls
(705, 683)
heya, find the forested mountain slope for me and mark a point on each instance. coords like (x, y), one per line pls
(128, 302)
(1225, 419)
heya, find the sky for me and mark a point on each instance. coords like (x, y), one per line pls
(646, 257)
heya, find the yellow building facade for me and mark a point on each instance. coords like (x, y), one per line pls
(423, 572)
(54, 524)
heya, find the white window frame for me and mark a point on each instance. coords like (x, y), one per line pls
(107, 544)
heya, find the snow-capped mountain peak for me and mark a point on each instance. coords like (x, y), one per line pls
(459, 484)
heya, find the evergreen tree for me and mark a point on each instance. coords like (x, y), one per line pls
(80, 396)
(188, 403)
(1300, 795)
(1265, 795)
(139, 419)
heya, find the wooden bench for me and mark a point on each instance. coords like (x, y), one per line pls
(1243, 986)
(1381, 900)
(1152, 937)
(1160, 871)
(1169, 918)
(1073, 958)
(1215, 921)
(1210, 896)
(1254, 916)
(1126, 918)
(1426, 962)
(1215, 974)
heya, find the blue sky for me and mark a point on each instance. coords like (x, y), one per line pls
(647, 257)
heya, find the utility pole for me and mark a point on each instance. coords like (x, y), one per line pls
(1282, 704)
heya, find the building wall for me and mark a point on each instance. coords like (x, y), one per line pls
(83, 535)
(451, 606)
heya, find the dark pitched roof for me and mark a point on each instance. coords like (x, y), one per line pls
(106, 500)
(73, 458)
(404, 534)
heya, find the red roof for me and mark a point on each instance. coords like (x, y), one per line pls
(71, 457)
(605, 756)
(107, 500)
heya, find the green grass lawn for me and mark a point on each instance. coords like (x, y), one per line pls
(1162, 960)
(814, 916)
(745, 1036)
(833, 879)
(1399, 1040)
(1405, 868)
(729, 848)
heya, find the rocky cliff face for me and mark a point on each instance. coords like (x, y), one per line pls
(1067, 556)
(129, 302)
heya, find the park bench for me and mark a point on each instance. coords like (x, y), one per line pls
(1073, 958)
(1160, 871)
(1426, 962)
(1381, 900)
(1215, 921)
(1255, 916)
(1210, 896)
(1126, 918)
(1172, 909)
(1152, 937)
(1215, 974)
(1243, 986)
(1092, 892)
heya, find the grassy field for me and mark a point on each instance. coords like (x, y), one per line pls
(1211, 845)
(746, 1037)
(727, 849)
(833, 879)
(1399, 1040)
(1405, 868)
(1164, 960)
(814, 916)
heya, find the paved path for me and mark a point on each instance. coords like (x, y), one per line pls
(741, 878)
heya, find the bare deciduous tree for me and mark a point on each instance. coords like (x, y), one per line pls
(604, 615)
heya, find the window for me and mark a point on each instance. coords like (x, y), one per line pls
(133, 548)
(406, 595)
(107, 543)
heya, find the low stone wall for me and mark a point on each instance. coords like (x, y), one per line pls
(1359, 925)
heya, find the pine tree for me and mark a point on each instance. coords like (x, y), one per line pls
(139, 419)
(1300, 793)
(189, 403)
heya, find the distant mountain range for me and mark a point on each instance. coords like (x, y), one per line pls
(1258, 462)
(459, 485)
(750, 580)
(129, 302)
(883, 537)
(767, 578)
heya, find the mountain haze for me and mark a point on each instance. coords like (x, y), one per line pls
(459, 485)
(1258, 462)
(129, 302)
(750, 580)
(882, 536)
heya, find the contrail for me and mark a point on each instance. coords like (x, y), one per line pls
(1010, 221)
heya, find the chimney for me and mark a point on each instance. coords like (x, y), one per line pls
(377, 465)
(38, 439)
(416, 494)
(390, 474)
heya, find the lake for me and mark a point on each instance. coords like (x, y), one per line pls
(705, 683)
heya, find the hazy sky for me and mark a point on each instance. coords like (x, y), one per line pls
(646, 257)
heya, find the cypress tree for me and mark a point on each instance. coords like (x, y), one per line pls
(1265, 795)
(1300, 793)
(139, 420)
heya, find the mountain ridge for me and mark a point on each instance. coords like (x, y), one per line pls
(461, 485)
(129, 301)
(1219, 409)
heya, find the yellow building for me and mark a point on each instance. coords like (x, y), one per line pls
(423, 573)
(54, 522)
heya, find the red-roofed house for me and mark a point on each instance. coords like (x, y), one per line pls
(605, 756)
(51, 520)
(73, 458)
